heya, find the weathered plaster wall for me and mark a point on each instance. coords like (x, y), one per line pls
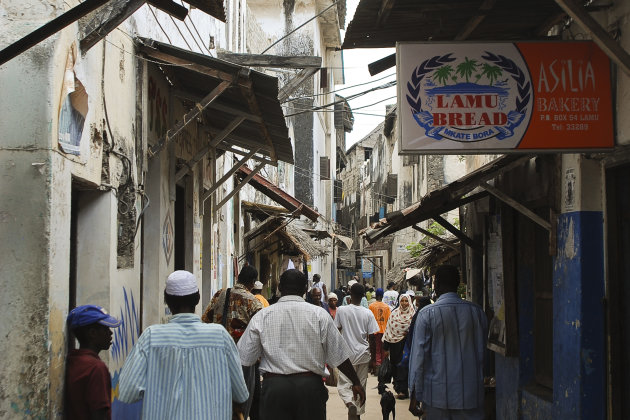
(578, 294)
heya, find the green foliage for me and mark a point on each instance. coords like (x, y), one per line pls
(467, 68)
(461, 290)
(436, 229)
(415, 248)
(443, 73)
(491, 72)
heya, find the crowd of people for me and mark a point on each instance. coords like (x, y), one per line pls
(211, 367)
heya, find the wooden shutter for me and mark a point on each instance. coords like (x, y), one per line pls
(324, 168)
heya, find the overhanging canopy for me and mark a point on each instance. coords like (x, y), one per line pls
(277, 194)
(444, 199)
(246, 111)
(382, 23)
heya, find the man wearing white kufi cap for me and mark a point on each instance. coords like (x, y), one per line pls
(184, 369)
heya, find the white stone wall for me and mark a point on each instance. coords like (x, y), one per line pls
(37, 184)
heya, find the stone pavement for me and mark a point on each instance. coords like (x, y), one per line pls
(336, 410)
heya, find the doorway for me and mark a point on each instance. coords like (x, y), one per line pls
(618, 290)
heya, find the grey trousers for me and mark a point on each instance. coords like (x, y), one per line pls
(249, 373)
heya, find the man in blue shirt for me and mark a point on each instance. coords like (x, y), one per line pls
(186, 369)
(446, 360)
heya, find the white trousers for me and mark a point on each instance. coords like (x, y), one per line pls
(344, 386)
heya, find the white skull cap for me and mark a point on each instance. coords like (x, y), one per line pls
(181, 283)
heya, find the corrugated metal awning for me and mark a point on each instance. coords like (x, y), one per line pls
(382, 23)
(248, 110)
(277, 194)
(444, 199)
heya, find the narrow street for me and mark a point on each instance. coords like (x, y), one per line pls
(335, 409)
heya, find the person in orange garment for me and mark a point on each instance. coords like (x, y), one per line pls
(257, 292)
(381, 312)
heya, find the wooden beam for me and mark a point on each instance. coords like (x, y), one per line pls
(48, 29)
(459, 234)
(244, 142)
(295, 83)
(252, 102)
(201, 153)
(474, 21)
(188, 118)
(152, 52)
(229, 173)
(516, 205)
(167, 6)
(106, 20)
(239, 186)
(380, 257)
(217, 105)
(383, 13)
(276, 61)
(599, 35)
(437, 238)
(239, 152)
(382, 64)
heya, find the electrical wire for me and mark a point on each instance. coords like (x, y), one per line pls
(180, 32)
(300, 26)
(332, 110)
(158, 22)
(349, 98)
(338, 90)
(197, 31)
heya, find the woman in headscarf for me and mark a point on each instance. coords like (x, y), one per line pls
(394, 342)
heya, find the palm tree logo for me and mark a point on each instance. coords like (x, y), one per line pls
(491, 72)
(443, 74)
(467, 68)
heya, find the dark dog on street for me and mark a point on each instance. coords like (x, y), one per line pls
(388, 402)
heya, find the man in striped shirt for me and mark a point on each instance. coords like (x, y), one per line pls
(186, 369)
(294, 341)
(447, 352)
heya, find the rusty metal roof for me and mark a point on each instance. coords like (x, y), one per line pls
(449, 20)
(252, 95)
(444, 199)
(276, 193)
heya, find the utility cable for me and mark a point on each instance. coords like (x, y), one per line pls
(299, 27)
(338, 90)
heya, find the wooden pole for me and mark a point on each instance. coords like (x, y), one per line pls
(49, 29)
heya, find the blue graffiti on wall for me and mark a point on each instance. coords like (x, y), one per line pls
(123, 340)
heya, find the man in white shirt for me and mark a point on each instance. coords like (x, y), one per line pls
(355, 323)
(391, 296)
(294, 341)
(319, 283)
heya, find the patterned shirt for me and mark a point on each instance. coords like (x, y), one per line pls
(242, 306)
(446, 360)
(184, 370)
(292, 336)
(381, 312)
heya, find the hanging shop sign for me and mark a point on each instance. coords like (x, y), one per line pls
(503, 97)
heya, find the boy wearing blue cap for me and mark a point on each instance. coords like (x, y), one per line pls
(88, 383)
